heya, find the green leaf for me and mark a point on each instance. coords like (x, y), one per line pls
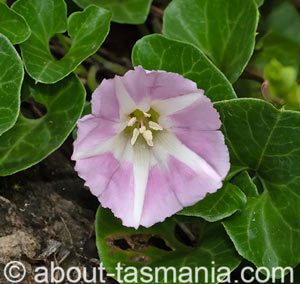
(219, 205)
(123, 11)
(87, 30)
(266, 141)
(244, 182)
(11, 77)
(224, 30)
(12, 25)
(210, 244)
(31, 140)
(159, 53)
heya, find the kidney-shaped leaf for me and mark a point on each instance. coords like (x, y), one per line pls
(46, 18)
(11, 77)
(31, 140)
(123, 11)
(266, 141)
(224, 30)
(161, 246)
(159, 53)
(219, 205)
(12, 25)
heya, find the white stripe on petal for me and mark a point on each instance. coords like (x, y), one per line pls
(114, 144)
(126, 103)
(172, 105)
(141, 167)
(168, 144)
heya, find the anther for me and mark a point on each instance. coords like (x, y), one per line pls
(131, 121)
(148, 137)
(135, 136)
(155, 126)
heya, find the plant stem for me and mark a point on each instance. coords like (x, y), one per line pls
(157, 11)
(114, 67)
(187, 231)
(91, 78)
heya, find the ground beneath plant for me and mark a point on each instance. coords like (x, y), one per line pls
(47, 215)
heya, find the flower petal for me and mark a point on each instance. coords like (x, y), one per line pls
(180, 178)
(168, 144)
(173, 105)
(160, 198)
(136, 84)
(190, 186)
(201, 115)
(190, 176)
(209, 145)
(164, 85)
(127, 199)
(108, 171)
(119, 195)
(91, 132)
(141, 166)
(104, 101)
(98, 171)
(112, 101)
(127, 105)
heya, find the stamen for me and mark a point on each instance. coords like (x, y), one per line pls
(131, 121)
(139, 123)
(148, 137)
(142, 129)
(135, 136)
(155, 126)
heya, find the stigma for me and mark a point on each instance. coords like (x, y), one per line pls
(143, 126)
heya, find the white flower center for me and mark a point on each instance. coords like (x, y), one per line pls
(142, 125)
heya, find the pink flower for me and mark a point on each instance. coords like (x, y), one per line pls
(151, 146)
